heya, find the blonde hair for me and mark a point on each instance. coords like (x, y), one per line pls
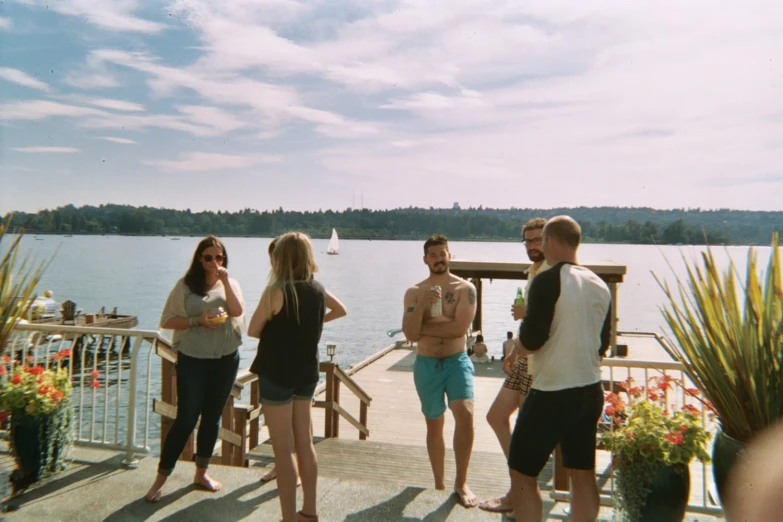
(293, 262)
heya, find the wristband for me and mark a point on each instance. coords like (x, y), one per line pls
(193, 322)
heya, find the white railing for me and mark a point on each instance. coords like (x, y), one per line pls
(615, 371)
(117, 414)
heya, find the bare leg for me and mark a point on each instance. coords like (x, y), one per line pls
(528, 506)
(305, 455)
(436, 448)
(153, 495)
(281, 431)
(499, 419)
(463, 445)
(585, 500)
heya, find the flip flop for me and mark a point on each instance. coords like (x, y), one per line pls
(302, 517)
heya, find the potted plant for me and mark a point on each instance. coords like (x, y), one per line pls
(652, 443)
(729, 336)
(38, 401)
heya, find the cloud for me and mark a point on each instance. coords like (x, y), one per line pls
(47, 150)
(117, 105)
(123, 141)
(204, 161)
(5, 23)
(22, 78)
(112, 16)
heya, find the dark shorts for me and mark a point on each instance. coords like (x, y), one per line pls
(438, 379)
(566, 417)
(519, 380)
(274, 395)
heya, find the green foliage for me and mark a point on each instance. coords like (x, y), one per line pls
(729, 337)
(604, 224)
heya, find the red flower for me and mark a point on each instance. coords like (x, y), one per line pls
(65, 353)
(36, 370)
(95, 384)
(7, 359)
(692, 392)
(684, 428)
(691, 409)
(653, 396)
(675, 438)
(3, 370)
(43, 390)
(16, 379)
(611, 410)
(95, 374)
(56, 395)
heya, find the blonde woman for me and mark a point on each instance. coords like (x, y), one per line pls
(205, 309)
(288, 321)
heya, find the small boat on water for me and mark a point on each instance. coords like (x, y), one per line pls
(334, 244)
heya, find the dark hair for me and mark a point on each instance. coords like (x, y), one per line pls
(533, 224)
(195, 277)
(479, 338)
(565, 230)
(510, 335)
(272, 245)
(436, 240)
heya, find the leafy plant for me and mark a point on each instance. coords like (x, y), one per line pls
(729, 337)
(18, 279)
(650, 433)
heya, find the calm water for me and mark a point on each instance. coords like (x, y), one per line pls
(370, 277)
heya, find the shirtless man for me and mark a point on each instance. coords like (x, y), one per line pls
(519, 380)
(442, 368)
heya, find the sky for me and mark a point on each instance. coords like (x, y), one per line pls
(388, 103)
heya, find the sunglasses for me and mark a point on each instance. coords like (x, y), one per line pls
(208, 258)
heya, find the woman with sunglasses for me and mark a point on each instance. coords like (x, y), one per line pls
(288, 321)
(206, 312)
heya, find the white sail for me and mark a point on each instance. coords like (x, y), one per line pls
(334, 244)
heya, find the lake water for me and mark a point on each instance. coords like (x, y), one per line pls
(135, 274)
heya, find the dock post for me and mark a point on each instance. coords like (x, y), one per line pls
(167, 395)
(613, 341)
(255, 402)
(335, 415)
(227, 450)
(362, 418)
(559, 473)
(477, 318)
(328, 424)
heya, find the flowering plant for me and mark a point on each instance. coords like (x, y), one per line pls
(35, 389)
(650, 433)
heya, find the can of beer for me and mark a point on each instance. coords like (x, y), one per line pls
(436, 309)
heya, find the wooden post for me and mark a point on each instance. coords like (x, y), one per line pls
(335, 415)
(240, 424)
(477, 319)
(560, 475)
(328, 425)
(168, 390)
(227, 450)
(613, 341)
(255, 402)
(362, 418)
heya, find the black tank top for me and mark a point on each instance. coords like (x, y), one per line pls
(288, 349)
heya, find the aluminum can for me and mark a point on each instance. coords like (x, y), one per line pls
(436, 309)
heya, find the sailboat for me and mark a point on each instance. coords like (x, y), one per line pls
(334, 244)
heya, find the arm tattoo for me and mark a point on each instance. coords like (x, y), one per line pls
(411, 308)
(471, 296)
(449, 297)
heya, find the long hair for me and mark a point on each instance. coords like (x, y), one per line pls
(294, 262)
(195, 277)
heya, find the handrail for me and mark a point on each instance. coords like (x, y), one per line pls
(333, 411)
(351, 385)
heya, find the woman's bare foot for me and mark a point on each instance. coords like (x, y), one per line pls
(272, 475)
(153, 495)
(206, 482)
(466, 497)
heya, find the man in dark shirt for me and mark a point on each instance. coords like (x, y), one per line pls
(567, 327)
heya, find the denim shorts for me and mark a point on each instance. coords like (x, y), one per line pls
(275, 395)
(437, 379)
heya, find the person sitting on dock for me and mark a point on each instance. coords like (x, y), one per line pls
(508, 348)
(442, 367)
(519, 380)
(207, 348)
(288, 323)
(567, 327)
(480, 351)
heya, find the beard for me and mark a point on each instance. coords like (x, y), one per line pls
(438, 268)
(535, 255)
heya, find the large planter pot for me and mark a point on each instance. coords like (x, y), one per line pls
(667, 494)
(726, 451)
(38, 445)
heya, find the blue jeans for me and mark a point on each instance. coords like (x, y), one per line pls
(203, 388)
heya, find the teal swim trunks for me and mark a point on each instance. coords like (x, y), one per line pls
(435, 378)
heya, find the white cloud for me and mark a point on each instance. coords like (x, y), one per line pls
(116, 15)
(46, 150)
(22, 78)
(123, 141)
(5, 23)
(117, 105)
(42, 109)
(204, 161)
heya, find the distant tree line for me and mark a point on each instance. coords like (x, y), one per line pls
(599, 225)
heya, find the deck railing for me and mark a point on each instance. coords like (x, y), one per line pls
(615, 371)
(116, 415)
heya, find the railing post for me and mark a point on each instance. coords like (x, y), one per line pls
(255, 402)
(130, 436)
(335, 415)
(328, 423)
(559, 474)
(362, 418)
(240, 428)
(228, 422)
(167, 395)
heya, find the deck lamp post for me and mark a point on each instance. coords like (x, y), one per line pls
(330, 350)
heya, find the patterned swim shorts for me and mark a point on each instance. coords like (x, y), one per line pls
(519, 380)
